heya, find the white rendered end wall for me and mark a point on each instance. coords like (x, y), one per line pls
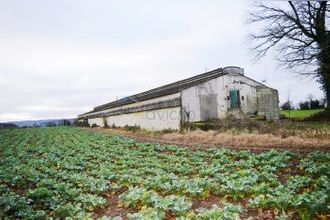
(220, 88)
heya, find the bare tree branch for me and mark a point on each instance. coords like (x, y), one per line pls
(298, 31)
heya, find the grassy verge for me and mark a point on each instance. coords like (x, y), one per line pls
(300, 114)
(282, 128)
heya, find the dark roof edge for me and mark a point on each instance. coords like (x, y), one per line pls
(162, 90)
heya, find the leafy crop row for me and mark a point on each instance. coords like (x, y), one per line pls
(68, 172)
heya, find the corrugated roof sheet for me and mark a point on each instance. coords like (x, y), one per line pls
(162, 91)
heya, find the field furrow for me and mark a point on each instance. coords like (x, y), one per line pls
(69, 172)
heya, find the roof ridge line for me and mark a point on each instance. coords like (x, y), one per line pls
(169, 86)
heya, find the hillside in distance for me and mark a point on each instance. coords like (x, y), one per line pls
(41, 123)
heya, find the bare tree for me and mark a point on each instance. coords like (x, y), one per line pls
(299, 30)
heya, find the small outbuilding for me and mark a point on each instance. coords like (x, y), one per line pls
(218, 94)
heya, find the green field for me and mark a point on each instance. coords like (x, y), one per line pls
(300, 114)
(62, 172)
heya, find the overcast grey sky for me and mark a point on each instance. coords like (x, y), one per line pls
(61, 58)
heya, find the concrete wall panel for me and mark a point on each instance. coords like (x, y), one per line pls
(168, 118)
(268, 103)
(96, 121)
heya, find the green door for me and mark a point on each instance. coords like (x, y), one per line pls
(233, 98)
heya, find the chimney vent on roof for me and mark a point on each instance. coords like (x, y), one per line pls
(233, 69)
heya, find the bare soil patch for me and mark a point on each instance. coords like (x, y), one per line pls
(113, 209)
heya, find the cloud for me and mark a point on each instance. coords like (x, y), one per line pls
(59, 59)
(15, 117)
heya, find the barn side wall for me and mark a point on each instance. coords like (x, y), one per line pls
(153, 114)
(168, 118)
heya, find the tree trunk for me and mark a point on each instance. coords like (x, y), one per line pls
(324, 69)
(324, 80)
(325, 75)
(327, 87)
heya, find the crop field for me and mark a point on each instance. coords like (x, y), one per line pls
(70, 172)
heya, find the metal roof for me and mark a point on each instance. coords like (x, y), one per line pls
(162, 91)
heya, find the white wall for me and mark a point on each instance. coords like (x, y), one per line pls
(221, 86)
(268, 103)
(167, 118)
(247, 89)
(97, 121)
(190, 98)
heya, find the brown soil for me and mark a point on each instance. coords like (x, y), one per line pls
(198, 140)
(206, 203)
(293, 170)
(113, 209)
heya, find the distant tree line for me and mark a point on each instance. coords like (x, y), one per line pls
(63, 122)
(8, 125)
(37, 124)
(305, 105)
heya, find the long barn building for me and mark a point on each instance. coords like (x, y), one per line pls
(217, 94)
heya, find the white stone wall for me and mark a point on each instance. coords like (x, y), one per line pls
(221, 87)
(247, 89)
(268, 103)
(190, 99)
(160, 119)
(96, 121)
(166, 118)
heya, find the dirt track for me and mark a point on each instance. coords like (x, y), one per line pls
(204, 139)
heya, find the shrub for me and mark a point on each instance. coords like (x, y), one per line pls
(94, 125)
(132, 128)
(105, 122)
